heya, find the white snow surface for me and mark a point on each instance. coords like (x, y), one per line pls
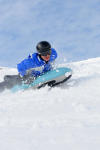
(61, 118)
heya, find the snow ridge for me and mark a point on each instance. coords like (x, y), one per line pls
(65, 117)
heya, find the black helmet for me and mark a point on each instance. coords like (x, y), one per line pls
(44, 48)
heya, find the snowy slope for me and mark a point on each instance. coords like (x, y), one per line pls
(66, 117)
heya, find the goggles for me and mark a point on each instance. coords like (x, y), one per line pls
(46, 53)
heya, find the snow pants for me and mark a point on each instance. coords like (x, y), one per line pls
(10, 81)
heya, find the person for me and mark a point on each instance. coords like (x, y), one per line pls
(30, 68)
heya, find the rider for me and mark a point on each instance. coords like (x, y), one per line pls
(32, 67)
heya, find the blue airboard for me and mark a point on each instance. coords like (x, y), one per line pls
(49, 76)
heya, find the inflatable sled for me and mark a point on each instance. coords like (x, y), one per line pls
(51, 78)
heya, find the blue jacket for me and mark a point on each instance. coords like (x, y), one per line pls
(35, 66)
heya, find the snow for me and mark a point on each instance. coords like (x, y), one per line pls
(65, 117)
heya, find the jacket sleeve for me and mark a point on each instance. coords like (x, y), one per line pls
(21, 68)
(53, 55)
(25, 65)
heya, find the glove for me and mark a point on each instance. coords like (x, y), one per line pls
(27, 79)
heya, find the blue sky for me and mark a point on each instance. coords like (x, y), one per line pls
(72, 27)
